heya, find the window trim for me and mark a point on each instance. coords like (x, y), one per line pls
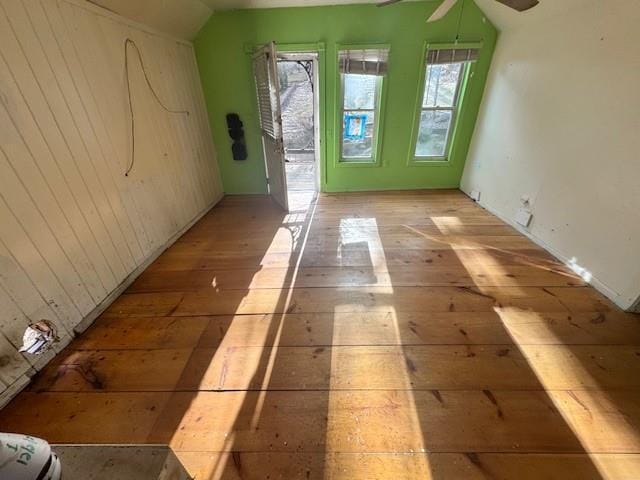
(375, 161)
(457, 109)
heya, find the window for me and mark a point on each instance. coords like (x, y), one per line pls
(440, 101)
(361, 74)
(438, 109)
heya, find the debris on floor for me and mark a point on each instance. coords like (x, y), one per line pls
(39, 337)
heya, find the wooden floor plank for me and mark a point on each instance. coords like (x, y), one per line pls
(213, 301)
(185, 280)
(448, 328)
(433, 367)
(201, 233)
(287, 242)
(351, 421)
(326, 329)
(143, 333)
(254, 219)
(114, 418)
(401, 421)
(378, 259)
(454, 367)
(114, 371)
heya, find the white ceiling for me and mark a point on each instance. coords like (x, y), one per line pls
(184, 18)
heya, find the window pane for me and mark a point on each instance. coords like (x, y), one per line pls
(357, 137)
(360, 91)
(441, 85)
(432, 135)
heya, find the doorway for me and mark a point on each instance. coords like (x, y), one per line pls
(299, 104)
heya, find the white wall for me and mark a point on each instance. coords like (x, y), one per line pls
(73, 228)
(560, 122)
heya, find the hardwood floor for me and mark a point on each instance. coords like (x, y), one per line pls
(396, 335)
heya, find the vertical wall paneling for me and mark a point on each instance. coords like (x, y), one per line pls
(30, 147)
(94, 153)
(74, 228)
(29, 67)
(98, 118)
(18, 163)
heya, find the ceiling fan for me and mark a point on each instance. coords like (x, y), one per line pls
(441, 11)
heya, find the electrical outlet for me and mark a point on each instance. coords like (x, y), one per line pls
(475, 195)
(523, 217)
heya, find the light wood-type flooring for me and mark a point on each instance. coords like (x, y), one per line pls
(397, 335)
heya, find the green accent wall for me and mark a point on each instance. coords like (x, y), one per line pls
(222, 48)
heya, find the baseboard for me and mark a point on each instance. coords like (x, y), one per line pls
(14, 389)
(17, 386)
(129, 279)
(635, 308)
(593, 281)
(392, 188)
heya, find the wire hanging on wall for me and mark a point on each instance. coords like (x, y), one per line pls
(127, 42)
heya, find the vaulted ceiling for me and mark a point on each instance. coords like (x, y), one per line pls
(180, 18)
(184, 18)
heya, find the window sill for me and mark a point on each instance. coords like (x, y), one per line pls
(357, 163)
(429, 162)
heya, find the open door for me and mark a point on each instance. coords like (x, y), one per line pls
(265, 72)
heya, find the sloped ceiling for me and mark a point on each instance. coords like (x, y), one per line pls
(180, 18)
(184, 18)
(235, 4)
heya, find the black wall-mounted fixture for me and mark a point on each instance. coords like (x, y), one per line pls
(234, 125)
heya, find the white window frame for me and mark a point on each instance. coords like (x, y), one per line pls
(454, 109)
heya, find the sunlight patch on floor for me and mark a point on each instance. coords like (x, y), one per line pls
(556, 374)
(369, 239)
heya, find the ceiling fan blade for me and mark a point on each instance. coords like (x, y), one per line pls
(519, 5)
(442, 10)
(387, 2)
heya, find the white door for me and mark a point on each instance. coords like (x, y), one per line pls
(265, 72)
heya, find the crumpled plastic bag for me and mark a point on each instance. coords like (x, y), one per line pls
(39, 337)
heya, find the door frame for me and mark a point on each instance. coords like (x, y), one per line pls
(311, 56)
(320, 104)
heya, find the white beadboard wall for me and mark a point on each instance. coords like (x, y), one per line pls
(73, 229)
